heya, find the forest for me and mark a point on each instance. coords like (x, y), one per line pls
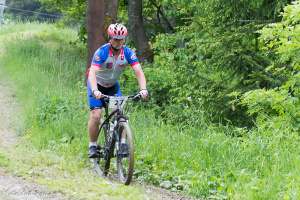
(224, 83)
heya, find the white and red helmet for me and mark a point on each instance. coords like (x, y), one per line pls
(117, 31)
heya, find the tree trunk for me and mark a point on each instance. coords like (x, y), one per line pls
(111, 12)
(100, 13)
(95, 22)
(137, 31)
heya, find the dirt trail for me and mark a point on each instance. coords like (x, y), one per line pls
(8, 109)
(13, 188)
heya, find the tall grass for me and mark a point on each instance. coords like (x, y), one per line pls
(48, 73)
(207, 161)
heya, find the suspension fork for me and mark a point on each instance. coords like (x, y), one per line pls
(117, 132)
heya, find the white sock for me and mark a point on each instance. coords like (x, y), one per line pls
(123, 140)
(93, 144)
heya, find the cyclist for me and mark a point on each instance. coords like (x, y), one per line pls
(108, 63)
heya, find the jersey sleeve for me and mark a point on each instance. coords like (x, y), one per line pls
(131, 56)
(99, 57)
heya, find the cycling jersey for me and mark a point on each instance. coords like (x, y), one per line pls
(110, 67)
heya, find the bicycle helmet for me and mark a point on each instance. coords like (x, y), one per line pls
(117, 31)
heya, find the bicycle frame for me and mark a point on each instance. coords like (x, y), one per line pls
(118, 112)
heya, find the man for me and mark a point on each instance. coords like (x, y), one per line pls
(107, 65)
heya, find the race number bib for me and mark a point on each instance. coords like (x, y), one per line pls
(114, 102)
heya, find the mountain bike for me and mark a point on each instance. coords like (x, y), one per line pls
(113, 127)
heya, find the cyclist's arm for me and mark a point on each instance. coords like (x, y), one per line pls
(140, 76)
(92, 77)
(98, 59)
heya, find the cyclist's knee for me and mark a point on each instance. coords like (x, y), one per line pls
(95, 114)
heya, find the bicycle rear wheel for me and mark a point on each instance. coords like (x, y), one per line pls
(125, 165)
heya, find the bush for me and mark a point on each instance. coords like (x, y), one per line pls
(279, 107)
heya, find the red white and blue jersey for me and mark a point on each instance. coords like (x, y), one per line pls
(111, 67)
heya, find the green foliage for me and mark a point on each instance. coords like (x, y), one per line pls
(24, 4)
(208, 164)
(214, 67)
(280, 41)
(73, 10)
(211, 56)
(74, 13)
(204, 161)
(46, 67)
(4, 161)
(279, 107)
(28, 10)
(274, 109)
(51, 109)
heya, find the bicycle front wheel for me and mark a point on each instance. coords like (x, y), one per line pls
(107, 144)
(125, 164)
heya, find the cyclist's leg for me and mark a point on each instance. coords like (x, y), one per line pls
(94, 120)
(93, 124)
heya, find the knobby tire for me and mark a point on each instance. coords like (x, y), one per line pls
(125, 173)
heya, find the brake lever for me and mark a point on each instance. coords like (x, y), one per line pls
(137, 97)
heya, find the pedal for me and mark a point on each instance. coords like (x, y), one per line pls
(94, 160)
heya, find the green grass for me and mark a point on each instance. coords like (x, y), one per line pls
(215, 165)
(55, 114)
(4, 162)
(65, 175)
(202, 161)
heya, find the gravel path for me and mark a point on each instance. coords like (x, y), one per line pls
(14, 188)
(8, 109)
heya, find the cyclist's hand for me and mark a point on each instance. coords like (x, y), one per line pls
(144, 94)
(97, 94)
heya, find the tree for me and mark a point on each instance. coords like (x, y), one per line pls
(278, 108)
(216, 56)
(137, 31)
(100, 13)
(95, 23)
(111, 12)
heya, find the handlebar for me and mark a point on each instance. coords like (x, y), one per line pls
(134, 97)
